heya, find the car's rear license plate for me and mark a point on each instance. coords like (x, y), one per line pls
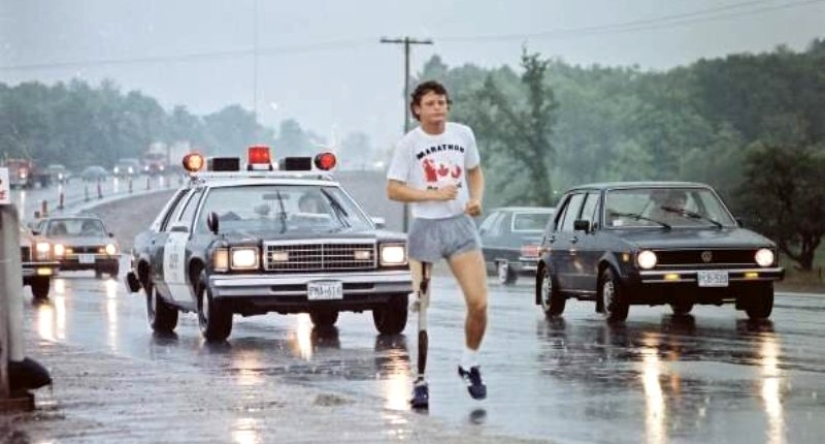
(86, 258)
(712, 278)
(325, 290)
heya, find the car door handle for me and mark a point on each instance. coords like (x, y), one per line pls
(574, 239)
(552, 239)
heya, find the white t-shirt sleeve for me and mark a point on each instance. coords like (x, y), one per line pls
(471, 157)
(400, 166)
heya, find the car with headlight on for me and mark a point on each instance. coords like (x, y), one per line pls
(82, 243)
(263, 239)
(653, 243)
(38, 262)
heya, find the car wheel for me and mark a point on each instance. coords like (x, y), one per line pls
(505, 274)
(614, 301)
(552, 302)
(163, 318)
(681, 308)
(214, 317)
(759, 302)
(40, 288)
(391, 318)
(98, 273)
(114, 270)
(323, 317)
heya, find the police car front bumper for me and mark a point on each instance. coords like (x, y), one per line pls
(290, 293)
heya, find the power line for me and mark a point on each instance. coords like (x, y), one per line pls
(665, 21)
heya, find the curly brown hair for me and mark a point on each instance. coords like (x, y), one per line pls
(422, 89)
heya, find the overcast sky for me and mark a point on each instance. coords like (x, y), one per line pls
(320, 61)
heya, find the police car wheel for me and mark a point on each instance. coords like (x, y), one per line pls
(323, 317)
(40, 288)
(163, 318)
(214, 319)
(391, 318)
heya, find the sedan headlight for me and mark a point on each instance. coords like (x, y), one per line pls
(59, 250)
(43, 249)
(244, 258)
(646, 259)
(393, 255)
(765, 257)
(111, 249)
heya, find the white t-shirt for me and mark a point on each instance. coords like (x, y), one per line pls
(426, 161)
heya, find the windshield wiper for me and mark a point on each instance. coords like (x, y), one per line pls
(283, 211)
(691, 215)
(637, 216)
(340, 212)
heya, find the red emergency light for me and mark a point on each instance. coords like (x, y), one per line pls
(259, 155)
(193, 162)
(325, 161)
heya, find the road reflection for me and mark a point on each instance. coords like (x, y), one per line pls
(771, 390)
(246, 431)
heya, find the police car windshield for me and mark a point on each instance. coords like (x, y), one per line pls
(282, 208)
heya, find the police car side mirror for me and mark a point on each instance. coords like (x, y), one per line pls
(379, 222)
(212, 222)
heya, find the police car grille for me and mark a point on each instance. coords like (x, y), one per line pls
(25, 253)
(728, 257)
(309, 257)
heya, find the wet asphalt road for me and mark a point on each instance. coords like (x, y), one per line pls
(710, 377)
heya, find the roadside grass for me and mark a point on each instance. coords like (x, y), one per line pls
(804, 281)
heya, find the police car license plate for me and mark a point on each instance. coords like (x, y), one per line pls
(325, 290)
(86, 258)
(712, 278)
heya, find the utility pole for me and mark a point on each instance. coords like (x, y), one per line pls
(406, 41)
(255, 59)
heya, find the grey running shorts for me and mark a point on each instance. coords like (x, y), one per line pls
(432, 239)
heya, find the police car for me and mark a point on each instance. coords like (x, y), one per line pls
(285, 239)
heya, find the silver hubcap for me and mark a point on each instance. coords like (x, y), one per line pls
(609, 295)
(546, 291)
(503, 269)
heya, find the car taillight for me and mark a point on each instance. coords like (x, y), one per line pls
(530, 250)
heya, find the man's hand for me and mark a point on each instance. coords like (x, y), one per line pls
(446, 193)
(473, 208)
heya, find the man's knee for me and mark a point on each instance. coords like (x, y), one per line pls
(477, 306)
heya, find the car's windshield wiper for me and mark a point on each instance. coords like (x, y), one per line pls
(638, 216)
(283, 211)
(691, 215)
(340, 212)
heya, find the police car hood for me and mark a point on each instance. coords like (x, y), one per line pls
(312, 235)
(678, 238)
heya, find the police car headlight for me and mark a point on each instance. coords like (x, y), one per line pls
(764, 257)
(393, 255)
(244, 258)
(220, 259)
(111, 249)
(43, 249)
(59, 250)
(646, 259)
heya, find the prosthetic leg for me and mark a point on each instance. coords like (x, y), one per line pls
(421, 392)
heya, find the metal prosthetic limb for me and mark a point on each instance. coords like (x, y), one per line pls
(423, 302)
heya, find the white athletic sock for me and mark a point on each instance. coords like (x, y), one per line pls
(469, 358)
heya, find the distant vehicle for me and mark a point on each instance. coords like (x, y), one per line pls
(253, 242)
(154, 163)
(25, 173)
(510, 239)
(94, 173)
(58, 173)
(127, 168)
(39, 265)
(653, 243)
(85, 244)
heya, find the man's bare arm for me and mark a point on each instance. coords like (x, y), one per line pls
(399, 191)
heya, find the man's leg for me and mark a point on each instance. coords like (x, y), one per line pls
(470, 271)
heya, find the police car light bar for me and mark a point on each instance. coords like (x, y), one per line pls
(193, 162)
(223, 164)
(325, 161)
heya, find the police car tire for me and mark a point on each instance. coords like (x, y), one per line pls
(164, 319)
(40, 288)
(218, 325)
(391, 318)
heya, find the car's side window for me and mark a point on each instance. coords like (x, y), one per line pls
(487, 225)
(589, 209)
(500, 223)
(555, 222)
(572, 212)
(188, 212)
(173, 209)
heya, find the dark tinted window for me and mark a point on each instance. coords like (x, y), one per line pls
(589, 209)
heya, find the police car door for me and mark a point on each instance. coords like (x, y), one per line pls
(174, 251)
